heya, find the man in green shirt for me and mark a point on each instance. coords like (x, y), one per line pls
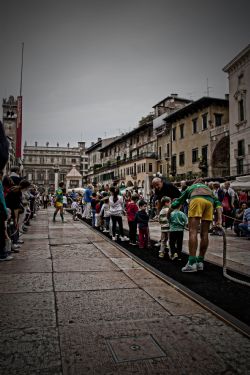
(202, 202)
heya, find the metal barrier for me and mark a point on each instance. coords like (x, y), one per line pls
(225, 274)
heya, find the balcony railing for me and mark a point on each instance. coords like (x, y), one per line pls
(117, 163)
(219, 130)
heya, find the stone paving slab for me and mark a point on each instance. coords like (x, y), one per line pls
(26, 310)
(109, 250)
(30, 351)
(39, 252)
(25, 282)
(79, 281)
(126, 263)
(107, 305)
(68, 240)
(76, 250)
(85, 349)
(174, 303)
(78, 264)
(26, 266)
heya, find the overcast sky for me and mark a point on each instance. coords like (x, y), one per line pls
(94, 68)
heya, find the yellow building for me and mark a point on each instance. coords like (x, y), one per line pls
(195, 140)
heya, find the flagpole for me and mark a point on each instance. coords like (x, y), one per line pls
(21, 80)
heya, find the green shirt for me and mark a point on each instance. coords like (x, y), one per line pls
(59, 195)
(178, 221)
(193, 191)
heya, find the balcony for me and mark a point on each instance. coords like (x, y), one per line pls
(219, 130)
(115, 163)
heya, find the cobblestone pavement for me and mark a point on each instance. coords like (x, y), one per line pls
(72, 303)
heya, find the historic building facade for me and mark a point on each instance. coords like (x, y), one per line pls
(42, 163)
(239, 112)
(94, 156)
(195, 140)
(130, 159)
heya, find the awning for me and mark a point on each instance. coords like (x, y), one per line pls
(242, 182)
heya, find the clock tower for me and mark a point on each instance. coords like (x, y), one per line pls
(10, 118)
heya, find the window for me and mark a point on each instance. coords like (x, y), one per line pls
(174, 134)
(30, 158)
(204, 121)
(218, 119)
(168, 152)
(161, 169)
(204, 153)
(241, 110)
(41, 160)
(150, 167)
(241, 148)
(138, 138)
(52, 160)
(160, 152)
(124, 156)
(131, 141)
(195, 155)
(181, 159)
(74, 160)
(194, 125)
(240, 79)
(240, 167)
(173, 165)
(63, 161)
(182, 131)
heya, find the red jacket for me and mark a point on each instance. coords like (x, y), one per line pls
(132, 208)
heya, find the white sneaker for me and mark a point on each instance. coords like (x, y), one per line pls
(113, 238)
(125, 238)
(106, 231)
(190, 267)
(16, 246)
(8, 257)
(175, 256)
(200, 266)
(161, 254)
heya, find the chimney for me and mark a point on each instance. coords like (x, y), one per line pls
(47, 144)
(35, 144)
(68, 145)
(57, 144)
(81, 145)
(99, 139)
(92, 143)
(174, 95)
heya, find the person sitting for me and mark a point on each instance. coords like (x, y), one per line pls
(245, 226)
(239, 218)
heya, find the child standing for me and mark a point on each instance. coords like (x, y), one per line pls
(105, 213)
(163, 220)
(132, 209)
(98, 213)
(75, 208)
(177, 221)
(142, 218)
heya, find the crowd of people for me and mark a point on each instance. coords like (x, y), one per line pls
(19, 200)
(200, 208)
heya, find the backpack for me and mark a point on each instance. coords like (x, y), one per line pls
(4, 147)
